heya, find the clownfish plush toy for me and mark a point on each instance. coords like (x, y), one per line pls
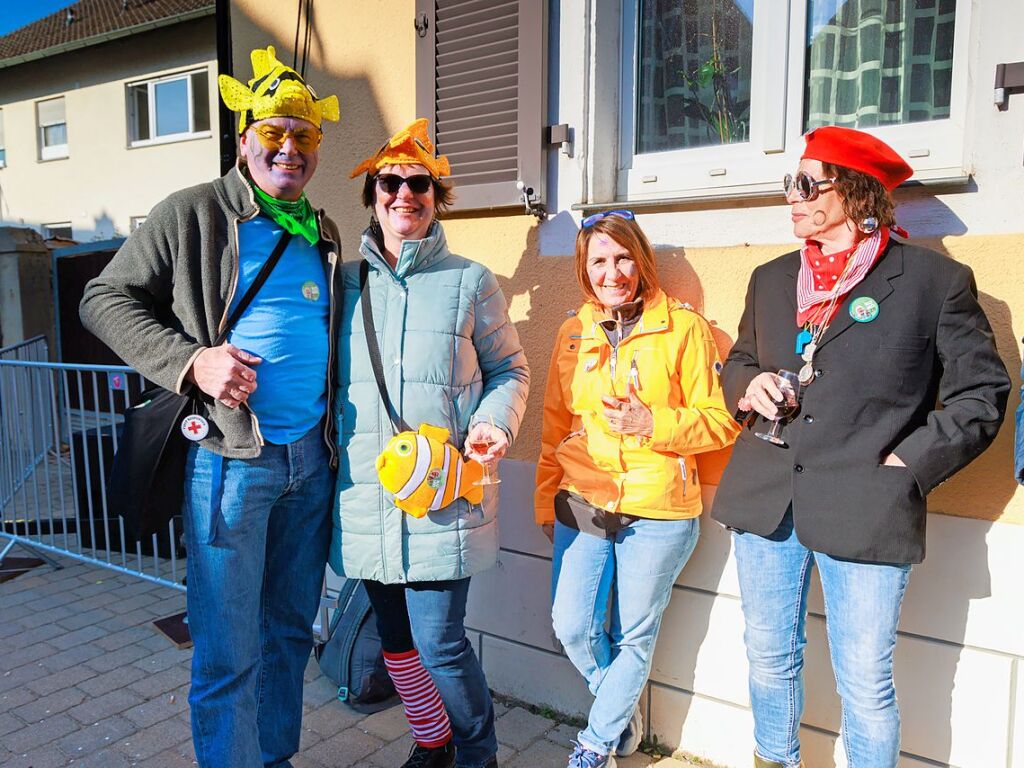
(426, 473)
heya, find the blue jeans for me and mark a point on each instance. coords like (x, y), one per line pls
(432, 615)
(862, 608)
(257, 533)
(636, 567)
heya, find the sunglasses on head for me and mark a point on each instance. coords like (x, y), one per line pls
(392, 182)
(273, 138)
(593, 218)
(806, 187)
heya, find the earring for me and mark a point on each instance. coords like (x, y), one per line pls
(869, 225)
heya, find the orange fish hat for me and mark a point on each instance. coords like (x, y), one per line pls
(410, 146)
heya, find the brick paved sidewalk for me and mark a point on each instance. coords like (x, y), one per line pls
(86, 680)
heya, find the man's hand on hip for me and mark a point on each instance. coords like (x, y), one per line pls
(223, 373)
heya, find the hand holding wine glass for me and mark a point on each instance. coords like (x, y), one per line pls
(627, 415)
(761, 396)
(787, 384)
(486, 444)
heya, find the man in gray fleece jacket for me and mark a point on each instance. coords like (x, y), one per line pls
(259, 484)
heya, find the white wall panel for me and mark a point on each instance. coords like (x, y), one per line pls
(539, 677)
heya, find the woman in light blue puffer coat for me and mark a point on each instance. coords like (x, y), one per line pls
(451, 358)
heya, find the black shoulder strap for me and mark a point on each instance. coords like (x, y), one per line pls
(397, 422)
(261, 278)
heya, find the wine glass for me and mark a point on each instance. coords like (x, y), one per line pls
(789, 384)
(481, 444)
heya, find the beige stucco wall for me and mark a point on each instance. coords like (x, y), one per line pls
(102, 183)
(373, 77)
(540, 289)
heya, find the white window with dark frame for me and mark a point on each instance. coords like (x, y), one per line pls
(714, 95)
(53, 129)
(60, 230)
(3, 146)
(169, 108)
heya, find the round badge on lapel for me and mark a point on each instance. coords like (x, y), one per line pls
(310, 290)
(864, 309)
(195, 427)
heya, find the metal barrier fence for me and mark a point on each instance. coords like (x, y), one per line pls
(17, 421)
(59, 428)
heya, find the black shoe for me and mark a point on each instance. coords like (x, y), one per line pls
(431, 757)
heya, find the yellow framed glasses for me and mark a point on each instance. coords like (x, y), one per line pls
(273, 138)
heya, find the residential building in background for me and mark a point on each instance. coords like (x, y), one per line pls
(106, 107)
(689, 112)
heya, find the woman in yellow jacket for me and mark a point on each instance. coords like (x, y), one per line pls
(632, 394)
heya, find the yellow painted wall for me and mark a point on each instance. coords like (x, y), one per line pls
(373, 75)
(540, 289)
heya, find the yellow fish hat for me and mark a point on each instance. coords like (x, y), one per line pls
(276, 90)
(410, 146)
(426, 472)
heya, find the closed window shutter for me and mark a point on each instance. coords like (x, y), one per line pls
(51, 112)
(480, 81)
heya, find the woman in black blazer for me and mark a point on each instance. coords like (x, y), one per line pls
(877, 332)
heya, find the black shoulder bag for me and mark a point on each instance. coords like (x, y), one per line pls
(373, 349)
(147, 477)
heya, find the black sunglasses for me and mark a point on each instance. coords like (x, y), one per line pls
(392, 182)
(806, 187)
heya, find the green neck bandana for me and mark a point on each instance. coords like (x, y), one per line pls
(296, 217)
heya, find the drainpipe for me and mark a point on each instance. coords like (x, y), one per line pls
(227, 118)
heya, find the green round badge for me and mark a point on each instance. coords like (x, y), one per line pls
(864, 309)
(311, 290)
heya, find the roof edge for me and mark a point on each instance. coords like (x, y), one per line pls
(85, 42)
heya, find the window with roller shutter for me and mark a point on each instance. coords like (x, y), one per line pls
(52, 129)
(480, 81)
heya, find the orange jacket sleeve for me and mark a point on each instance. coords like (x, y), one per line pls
(705, 423)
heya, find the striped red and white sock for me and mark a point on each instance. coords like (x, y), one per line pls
(422, 703)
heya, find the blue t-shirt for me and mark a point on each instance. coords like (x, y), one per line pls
(287, 324)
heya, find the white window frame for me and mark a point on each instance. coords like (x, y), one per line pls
(151, 84)
(935, 149)
(52, 151)
(3, 145)
(47, 229)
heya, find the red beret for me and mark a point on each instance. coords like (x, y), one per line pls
(858, 151)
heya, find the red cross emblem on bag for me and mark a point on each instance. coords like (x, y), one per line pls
(195, 427)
